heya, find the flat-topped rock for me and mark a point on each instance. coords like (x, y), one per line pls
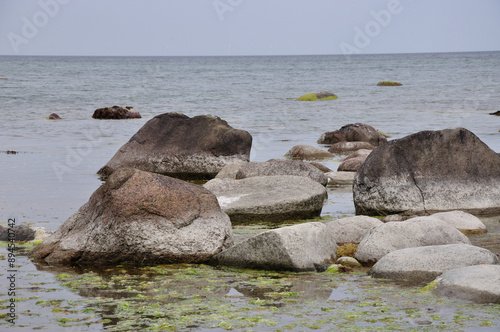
(307, 152)
(116, 113)
(243, 170)
(302, 247)
(340, 178)
(269, 198)
(356, 132)
(427, 263)
(462, 221)
(320, 95)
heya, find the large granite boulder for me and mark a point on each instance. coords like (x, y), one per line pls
(307, 152)
(302, 247)
(138, 217)
(116, 113)
(351, 229)
(176, 145)
(430, 171)
(243, 170)
(357, 132)
(478, 283)
(427, 263)
(269, 198)
(415, 232)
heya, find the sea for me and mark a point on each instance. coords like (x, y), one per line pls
(48, 170)
(53, 170)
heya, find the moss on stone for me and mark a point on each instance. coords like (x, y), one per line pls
(314, 96)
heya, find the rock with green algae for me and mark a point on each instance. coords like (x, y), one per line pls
(388, 83)
(320, 95)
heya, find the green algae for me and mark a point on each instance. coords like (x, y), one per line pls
(313, 97)
(388, 83)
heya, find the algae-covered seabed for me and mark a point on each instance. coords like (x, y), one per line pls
(201, 297)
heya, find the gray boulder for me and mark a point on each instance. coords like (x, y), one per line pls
(302, 247)
(307, 152)
(357, 132)
(243, 170)
(427, 263)
(354, 161)
(340, 178)
(478, 283)
(321, 167)
(415, 232)
(269, 198)
(430, 171)
(138, 217)
(176, 145)
(24, 233)
(351, 229)
(462, 221)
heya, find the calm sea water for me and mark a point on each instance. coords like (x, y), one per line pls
(54, 172)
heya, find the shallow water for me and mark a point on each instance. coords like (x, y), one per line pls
(54, 174)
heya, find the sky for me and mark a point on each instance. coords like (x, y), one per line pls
(246, 27)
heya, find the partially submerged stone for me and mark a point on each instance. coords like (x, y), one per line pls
(427, 263)
(354, 161)
(478, 283)
(340, 178)
(355, 132)
(388, 83)
(349, 147)
(307, 152)
(269, 198)
(427, 172)
(176, 145)
(320, 95)
(116, 113)
(302, 247)
(138, 217)
(24, 233)
(415, 232)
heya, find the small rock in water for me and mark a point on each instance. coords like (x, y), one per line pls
(54, 116)
(320, 95)
(388, 83)
(495, 113)
(116, 113)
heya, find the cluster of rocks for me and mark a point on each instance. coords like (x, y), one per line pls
(146, 214)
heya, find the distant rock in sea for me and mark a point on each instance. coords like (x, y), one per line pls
(116, 113)
(497, 113)
(320, 95)
(54, 116)
(388, 83)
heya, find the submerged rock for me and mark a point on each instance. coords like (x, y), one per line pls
(244, 170)
(388, 83)
(357, 132)
(116, 113)
(478, 283)
(176, 145)
(54, 116)
(269, 198)
(302, 247)
(430, 171)
(415, 232)
(307, 152)
(321, 167)
(24, 233)
(138, 217)
(427, 263)
(321, 95)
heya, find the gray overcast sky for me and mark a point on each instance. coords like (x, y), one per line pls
(246, 27)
